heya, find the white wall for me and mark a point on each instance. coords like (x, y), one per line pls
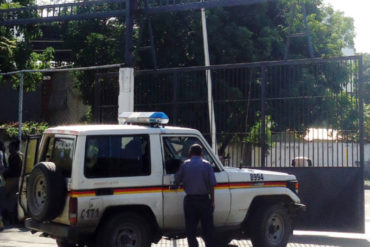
(322, 154)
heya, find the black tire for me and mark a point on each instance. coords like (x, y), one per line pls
(271, 227)
(62, 243)
(46, 192)
(124, 229)
(223, 239)
(65, 243)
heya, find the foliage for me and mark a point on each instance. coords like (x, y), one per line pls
(366, 78)
(236, 34)
(366, 94)
(88, 117)
(16, 50)
(367, 122)
(28, 128)
(234, 37)
(254, 136)
(256, 36)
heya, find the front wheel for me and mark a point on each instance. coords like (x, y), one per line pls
(223, 239)
(272, 227)
(126, 229)
(63, 243)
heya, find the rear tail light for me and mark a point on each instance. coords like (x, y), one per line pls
(73, 208)
(293, 186)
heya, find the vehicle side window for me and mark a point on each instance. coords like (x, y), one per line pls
(49, 149)
(60, 152)
(176, 151)
(117, 156)
(31, 155)
(63, 155)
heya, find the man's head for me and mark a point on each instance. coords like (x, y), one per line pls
(14, 147)
(2, 146)
(195, 150)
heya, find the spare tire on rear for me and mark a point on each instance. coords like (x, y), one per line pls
(46, 192)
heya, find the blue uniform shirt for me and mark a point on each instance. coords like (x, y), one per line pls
(196, 175)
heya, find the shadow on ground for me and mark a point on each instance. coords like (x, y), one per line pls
(328, 241)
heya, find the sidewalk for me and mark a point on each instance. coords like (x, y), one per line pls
(22, 238)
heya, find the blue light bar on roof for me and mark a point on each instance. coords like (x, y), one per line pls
(143, 118)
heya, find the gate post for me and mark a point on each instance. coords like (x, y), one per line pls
(211, 108)
(126, 90)
(362, 161)
(20, 107)
(361, 112)
(263, 113)
(129, 33)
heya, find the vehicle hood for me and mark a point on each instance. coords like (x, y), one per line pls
(244, 175)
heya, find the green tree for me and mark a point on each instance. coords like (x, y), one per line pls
(236, 34)
(366, 94)
(366, 78)
(16, 49)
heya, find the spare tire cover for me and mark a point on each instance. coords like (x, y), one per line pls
(46, 192)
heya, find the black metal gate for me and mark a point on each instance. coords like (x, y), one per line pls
(303, 117)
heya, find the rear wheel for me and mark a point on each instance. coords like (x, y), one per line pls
(223, 239)
(63, 243)
(46, 192)
(127, 229)
(272, 226)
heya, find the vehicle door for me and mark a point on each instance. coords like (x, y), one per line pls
(175, 152)
(118, 171)
(29, 160)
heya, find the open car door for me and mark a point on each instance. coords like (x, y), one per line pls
(29, 160)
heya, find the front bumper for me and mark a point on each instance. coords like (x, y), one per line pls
(296, 209)
(54, 230)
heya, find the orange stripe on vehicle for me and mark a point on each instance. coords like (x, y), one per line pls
(166, 189)
(82, 193)
(137, 190)
(222, 186)
(257, 185)
(276, 184)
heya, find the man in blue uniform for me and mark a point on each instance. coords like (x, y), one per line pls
(198, 180)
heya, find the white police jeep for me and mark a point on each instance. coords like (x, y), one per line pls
(110, 185)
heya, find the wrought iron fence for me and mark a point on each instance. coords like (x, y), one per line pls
(273, 114)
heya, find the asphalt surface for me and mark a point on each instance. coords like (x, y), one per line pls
(16, 237)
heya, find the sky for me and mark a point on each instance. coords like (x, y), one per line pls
(359, 10)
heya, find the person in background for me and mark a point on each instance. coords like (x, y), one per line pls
(198, 179)
(11, 176)
(14, 160)
(2, 180)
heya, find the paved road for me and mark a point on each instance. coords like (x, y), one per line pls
(22, 238)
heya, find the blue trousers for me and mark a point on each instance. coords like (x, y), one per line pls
(199, 208)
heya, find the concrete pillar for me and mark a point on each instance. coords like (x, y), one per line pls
(126, 90)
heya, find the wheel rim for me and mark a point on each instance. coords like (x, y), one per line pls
(275, 229)
(127, 236)
(40, 193)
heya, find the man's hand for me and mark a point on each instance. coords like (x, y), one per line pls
(174, 187)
